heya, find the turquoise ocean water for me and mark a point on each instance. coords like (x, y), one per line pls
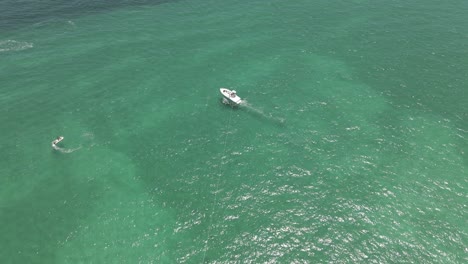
(350, 147)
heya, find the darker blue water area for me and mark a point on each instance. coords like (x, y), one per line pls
(17, 14)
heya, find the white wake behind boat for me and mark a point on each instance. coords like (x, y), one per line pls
(230, 97)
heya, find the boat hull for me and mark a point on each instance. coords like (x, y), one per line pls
(230, 97)
(57, 140)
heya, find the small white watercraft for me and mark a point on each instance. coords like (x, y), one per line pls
(230, 97)
(57, 140)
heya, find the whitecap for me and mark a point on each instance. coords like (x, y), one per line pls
(13, 45)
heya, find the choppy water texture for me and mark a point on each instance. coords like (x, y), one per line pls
(350, 147)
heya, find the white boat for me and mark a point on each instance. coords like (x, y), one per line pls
(56, 141)
(230, 97)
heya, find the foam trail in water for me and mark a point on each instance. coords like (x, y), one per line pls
(88, 136)
(13, 45)
(260, 112)
(246, 104)
(63, 150)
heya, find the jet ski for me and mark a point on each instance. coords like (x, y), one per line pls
(230, 97)
(57, 140)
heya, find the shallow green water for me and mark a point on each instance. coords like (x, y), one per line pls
(350, 147)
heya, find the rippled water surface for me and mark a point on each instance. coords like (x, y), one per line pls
(349, 146)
